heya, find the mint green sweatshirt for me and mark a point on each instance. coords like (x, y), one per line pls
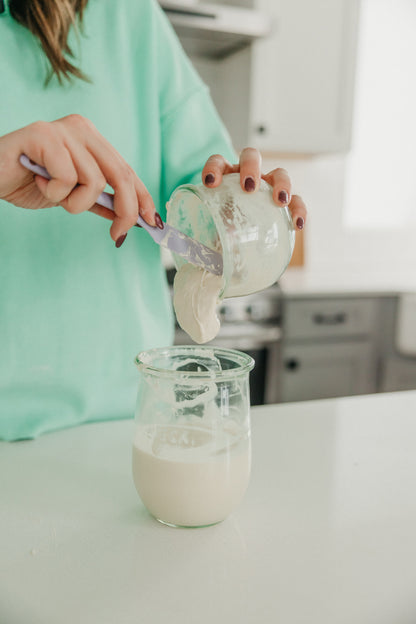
(74, 310)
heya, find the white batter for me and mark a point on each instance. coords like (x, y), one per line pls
(195, 299)
(188, 475)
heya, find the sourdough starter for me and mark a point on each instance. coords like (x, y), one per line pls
(190, 475)
(195, 299)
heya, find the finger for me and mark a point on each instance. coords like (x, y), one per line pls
(282, 187)
(250, 169)
(63, 179)
(126, 206)
(91, 181)
(108, 214)
(47, 149)
(146, 205)
(215, 167)
(58, 188)
(122, 179)
(129, 190)
(114, 169)
(299, 212)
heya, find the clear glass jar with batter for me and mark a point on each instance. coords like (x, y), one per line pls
(192, 450)
(255, 236)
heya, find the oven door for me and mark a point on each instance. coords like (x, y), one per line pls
(259, 340)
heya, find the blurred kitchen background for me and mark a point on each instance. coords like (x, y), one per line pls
(326, 89)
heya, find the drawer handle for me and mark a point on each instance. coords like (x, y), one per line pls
(339, 318)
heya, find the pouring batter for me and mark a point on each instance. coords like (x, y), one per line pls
(196, 296)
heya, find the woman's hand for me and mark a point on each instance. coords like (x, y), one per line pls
(81, 162)
(249, 168)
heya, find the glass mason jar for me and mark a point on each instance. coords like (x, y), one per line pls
(255, 236)
(192, 449)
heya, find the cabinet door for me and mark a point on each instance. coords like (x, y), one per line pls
(399, 373)
(323, 370)
(302, 76)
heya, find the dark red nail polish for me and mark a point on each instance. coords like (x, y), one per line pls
(300, 223)
(158, 221)
(249, 184)
(120, 240)
(283, 197)
(209, 178)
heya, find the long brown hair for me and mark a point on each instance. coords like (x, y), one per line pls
(50, 21)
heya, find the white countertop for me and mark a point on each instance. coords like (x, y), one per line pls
(299, 282)
(325, 535)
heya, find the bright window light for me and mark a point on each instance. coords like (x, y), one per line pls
(381, 168)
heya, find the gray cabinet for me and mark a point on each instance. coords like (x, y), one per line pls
(329, 348)
(319, 371)
(398, 369)
(399, 373)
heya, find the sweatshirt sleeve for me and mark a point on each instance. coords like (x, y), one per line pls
(191, 129)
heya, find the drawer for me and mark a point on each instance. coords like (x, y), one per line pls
(319, 371)
(330, 369)
(332, 317)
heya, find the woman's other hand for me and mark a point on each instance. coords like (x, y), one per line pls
(81, 162)
(249, 168)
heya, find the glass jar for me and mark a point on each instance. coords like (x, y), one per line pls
(192, 450)
(255, 236)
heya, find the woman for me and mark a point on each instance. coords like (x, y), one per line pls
(112, 86)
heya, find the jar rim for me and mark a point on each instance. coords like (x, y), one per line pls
(204, 195)
(245, 363)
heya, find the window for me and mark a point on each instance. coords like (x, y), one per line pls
(381, 168)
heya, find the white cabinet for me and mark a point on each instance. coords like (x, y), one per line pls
(303, 77)
(292, 91)
(329, 348)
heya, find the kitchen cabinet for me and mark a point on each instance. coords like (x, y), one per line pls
(399, 373)
(330, 348)
(291, 91)
(318, 371)
(214, 30)
(398, 368)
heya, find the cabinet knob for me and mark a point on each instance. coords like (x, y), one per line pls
(292, 364)
(261, 129)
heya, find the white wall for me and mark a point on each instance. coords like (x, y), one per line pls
(330, 247)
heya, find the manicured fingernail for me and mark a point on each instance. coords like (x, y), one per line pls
(158, 221)
(283, 197)
(120, 240)
(300, 223)
(209, 178)
(249, 184)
